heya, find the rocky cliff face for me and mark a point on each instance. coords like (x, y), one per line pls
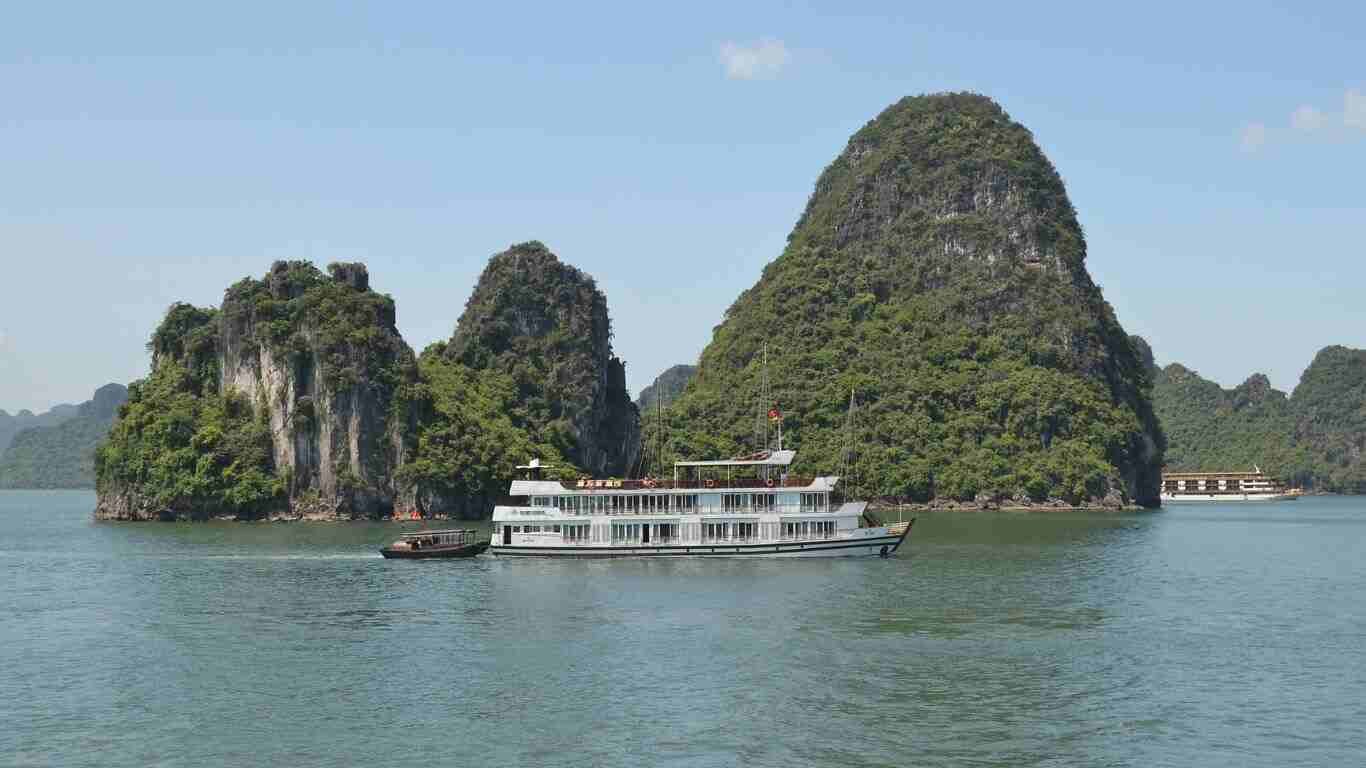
(329, 383)
(298, 378)
(546, 323)
(938, 271)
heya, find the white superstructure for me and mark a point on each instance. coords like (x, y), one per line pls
(746, 506)
(1223, 486)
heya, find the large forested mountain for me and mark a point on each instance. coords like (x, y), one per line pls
(938, 272)
(1316, 437)
(62, 455)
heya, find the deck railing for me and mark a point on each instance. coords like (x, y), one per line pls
(704, 484)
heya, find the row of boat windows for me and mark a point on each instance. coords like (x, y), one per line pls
(664, 533)
(1173, 486)
(680, 503)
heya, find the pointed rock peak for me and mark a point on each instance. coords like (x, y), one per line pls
(546, 323)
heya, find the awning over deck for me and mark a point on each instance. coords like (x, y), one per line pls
(773, 459)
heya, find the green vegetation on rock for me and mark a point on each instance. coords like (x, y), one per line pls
(289, 397)
(937, 272)
(544, 324)
(299, 397)
(63, 455)
(467, 444)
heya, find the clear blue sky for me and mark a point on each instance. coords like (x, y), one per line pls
(154, 153)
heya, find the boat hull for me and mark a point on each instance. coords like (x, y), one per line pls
(872, 545)
(1227, 497)
(469, 550)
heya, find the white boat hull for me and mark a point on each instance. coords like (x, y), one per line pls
(884, 545)
(1183, 498)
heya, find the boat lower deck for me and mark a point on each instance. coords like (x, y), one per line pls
(839, 547)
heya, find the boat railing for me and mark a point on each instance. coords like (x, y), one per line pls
(709, 484)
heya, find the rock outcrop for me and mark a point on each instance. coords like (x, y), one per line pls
(546, 322)
(293, 405)
(938, 272)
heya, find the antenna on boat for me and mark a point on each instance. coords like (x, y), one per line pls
(761, 416)
(847, 462)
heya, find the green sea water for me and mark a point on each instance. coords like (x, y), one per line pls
(1215, 635)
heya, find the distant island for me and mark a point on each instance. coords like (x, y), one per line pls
(1314, 438)
(58, 450)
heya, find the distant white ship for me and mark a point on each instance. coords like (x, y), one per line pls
(1180, 487)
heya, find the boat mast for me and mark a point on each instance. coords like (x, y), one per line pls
(847, 461)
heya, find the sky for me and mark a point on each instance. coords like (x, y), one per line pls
(153, 153)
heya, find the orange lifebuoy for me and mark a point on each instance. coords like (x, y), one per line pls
(769, 482)
(710, 483)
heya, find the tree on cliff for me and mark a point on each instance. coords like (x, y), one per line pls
(938, 272)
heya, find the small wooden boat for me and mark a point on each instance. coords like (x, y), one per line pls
(458, 542)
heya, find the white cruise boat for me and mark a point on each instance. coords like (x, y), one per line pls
(1178, 487)
(743, 507)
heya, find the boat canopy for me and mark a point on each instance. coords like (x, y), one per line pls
(449, 532)
(761, 459)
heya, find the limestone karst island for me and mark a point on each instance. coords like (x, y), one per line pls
(938, 275)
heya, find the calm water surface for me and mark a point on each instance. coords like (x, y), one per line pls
(1200, 635)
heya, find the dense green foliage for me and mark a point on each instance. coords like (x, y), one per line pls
(187, 448)
(937, 273)
(1315, 438)
(1330, 407)
(184, 445)
(544, 325)
(667, 386)
(62, 456)
(528, 374)
(297, 310)
(1211, 429)
(467, 442)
